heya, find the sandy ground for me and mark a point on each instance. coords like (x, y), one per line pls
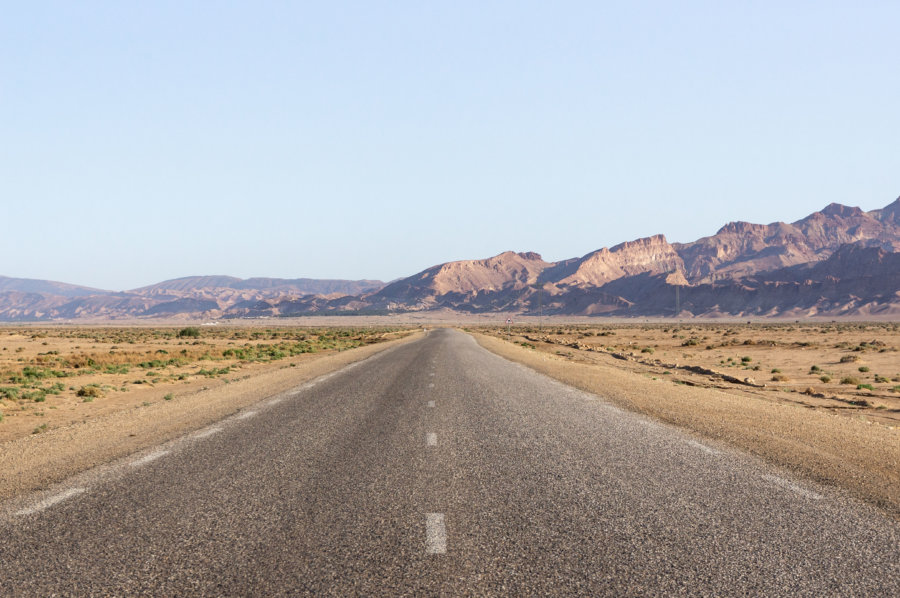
(847, 368)
(857, 455)
(143, 419)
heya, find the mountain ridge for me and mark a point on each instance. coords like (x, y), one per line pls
(839, 260)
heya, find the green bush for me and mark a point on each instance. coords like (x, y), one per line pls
(189, 332)
(849, 380)
(91, 390)
(863, 369)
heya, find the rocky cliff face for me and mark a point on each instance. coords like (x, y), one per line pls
(653, 255)
(450, 284)
(742, 249)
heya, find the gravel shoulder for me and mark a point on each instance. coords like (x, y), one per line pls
(37, 461)
(859, 457)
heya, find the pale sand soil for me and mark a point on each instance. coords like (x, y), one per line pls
(858, 456)
(36, 461)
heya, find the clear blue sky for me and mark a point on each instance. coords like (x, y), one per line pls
(141, 141)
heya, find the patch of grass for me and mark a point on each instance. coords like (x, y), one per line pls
(169, 397)
(865, 386)
(825, 378)
(38, 396)
(41, 428)
(814, 368)
(849, 358)
(780, 378)
(9, 393)
(849, 380)
(189, 332)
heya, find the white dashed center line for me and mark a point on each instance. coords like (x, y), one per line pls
(431, 439)
(792, 487)
(148, 458)
(50, 501)
(435, 534)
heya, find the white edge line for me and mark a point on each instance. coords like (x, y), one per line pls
(783, 483)
(148, 458)
(207, 433)
(435, 534)
(245, 415)
(702, 447)
(52, 500)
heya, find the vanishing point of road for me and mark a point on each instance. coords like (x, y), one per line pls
(438, 468)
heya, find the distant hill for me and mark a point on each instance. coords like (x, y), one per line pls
(839, 261)
(45, 287)
(297, 286)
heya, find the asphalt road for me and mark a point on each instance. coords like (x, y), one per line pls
(437, 468)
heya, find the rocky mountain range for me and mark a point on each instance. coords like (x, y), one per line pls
(840, 261)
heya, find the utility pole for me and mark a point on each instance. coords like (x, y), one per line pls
(540, 289)
(541, 304)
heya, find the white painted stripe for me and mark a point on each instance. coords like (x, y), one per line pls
(148, 458)
(792, 487)
(52, 500)
(245, 415)
(207, 433)
(435, 534)
(703, 447)
(431, 385)
(431, 404)
(431, 439)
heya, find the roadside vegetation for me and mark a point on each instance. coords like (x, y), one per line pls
(42, 369)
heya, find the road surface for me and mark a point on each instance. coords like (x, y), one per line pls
(438, 468)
